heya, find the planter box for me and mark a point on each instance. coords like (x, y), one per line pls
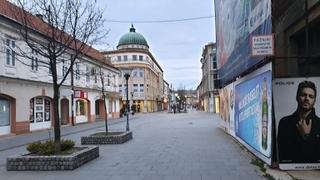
(52, 163)
(118, 138)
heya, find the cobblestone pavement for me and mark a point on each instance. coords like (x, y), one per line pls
(165, 146)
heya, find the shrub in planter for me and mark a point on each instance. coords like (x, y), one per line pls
(47, 147)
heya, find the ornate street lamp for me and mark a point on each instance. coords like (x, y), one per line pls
(127, 73)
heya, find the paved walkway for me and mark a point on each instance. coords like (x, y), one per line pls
(164, 147)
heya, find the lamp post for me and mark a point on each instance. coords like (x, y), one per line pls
(127, 75)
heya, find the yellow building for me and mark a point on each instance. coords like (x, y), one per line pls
(146, 91)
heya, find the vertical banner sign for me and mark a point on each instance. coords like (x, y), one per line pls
(297, 109)
(236, 22)
(253, 105)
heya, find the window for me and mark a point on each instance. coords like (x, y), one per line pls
(141, 87)
(215, 76)
(134, 57)
(94, 74)
(108, 80)
(141, 72)
(140, 58)
(125, 58)
(34, 61)
(135, 87)
(40, 110)
(87, 73)
(119, 58)
(64, 67)
(135, 73)
(214, 63)
(81, 108)
(4, 112)
(77, 71)
(10, 53)
(120, 88)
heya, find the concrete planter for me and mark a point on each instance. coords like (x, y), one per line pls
(52, 163)
(116, 138)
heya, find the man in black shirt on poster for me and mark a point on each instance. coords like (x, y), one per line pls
(299, 133)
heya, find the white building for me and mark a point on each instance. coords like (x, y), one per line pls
(26, 92)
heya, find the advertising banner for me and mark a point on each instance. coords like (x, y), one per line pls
(298, 123)
(253, 110)
(236, 22)
(227, 108)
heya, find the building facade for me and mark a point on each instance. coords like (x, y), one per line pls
(146, 84)
(26, 93)
(208, 93)
(296, 25)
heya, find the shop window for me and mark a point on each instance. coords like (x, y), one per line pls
(40, 109)
(4, 112)
(81, 108)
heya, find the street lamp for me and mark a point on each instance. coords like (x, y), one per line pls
(127, 73)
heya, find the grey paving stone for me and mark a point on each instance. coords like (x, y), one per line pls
(164, 146)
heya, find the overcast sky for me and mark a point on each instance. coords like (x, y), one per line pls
(177, 46)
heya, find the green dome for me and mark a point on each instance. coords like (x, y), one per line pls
(132, 37)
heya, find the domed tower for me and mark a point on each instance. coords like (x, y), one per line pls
(145, 84)
(132, 39)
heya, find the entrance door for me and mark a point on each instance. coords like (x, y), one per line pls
(4, 117)
(64, 111)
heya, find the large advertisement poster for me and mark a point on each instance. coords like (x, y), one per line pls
(298, 123)
(253, 110)
(237, 21)
(227, 108)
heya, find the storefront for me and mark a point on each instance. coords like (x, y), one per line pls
(82, 106)
(40, 113)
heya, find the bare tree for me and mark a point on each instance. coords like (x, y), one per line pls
(102, 80)
(54, 29)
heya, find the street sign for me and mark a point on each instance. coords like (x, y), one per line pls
(262, 45)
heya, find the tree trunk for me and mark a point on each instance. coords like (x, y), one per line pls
(57, 134)
(105, 110)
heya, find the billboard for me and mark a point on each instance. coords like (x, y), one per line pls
(236, 22)
(253, 112)
(227, 109)
(297, 122)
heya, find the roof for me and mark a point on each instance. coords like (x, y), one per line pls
(132, 37)
(11, 11)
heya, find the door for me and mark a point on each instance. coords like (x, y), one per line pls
(64, 111)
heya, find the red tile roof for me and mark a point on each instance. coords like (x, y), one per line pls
(12, 12)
